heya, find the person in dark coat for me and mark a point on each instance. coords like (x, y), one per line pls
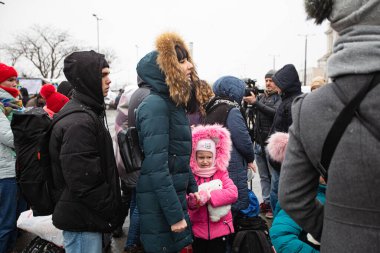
(66, 89)
(350, 219)
(264, 109)
(85, 177)
(288, 86)
(25, 96)
(200, 96)
(229, 92)
(165, 137)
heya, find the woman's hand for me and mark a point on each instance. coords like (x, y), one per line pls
(252, 167)
(179, 226)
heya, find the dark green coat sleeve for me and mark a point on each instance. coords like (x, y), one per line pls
(153, 125)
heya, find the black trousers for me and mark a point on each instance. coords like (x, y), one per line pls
(217, 245)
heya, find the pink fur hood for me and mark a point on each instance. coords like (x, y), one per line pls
(223, 144)
(277, 143)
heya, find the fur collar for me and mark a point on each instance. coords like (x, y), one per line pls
(223, 146)
(179, 86)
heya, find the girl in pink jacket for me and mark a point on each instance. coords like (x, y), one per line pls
(209, 161)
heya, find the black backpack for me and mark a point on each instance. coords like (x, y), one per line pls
(39, 245)
(31, 131)
(130, 151)
(252, 236)
(217, 111)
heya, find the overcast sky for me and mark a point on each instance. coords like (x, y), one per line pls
(230, 37)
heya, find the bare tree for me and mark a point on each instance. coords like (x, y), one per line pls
(109, 55)
(44, 47)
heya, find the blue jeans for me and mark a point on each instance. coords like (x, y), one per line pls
(263, 167)
(11, 205)
(82, 242)
(275, 178)
(134, 224)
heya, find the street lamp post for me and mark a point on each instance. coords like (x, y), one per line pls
(304, 74)
(274, 60)
(305, 64)
(97, 27)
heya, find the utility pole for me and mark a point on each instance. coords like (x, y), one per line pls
(305, 64)
(97, 27)
(274, 60)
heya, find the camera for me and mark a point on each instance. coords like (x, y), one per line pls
(250, 86)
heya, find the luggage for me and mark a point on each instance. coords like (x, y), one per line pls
(39, 245)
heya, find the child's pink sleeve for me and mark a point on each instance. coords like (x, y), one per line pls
(226, 196)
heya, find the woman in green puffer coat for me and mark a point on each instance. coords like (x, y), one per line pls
(165, 137)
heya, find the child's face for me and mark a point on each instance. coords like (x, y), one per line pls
(204, 159)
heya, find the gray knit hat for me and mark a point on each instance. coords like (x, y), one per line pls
(357, 50)
(270, 73)
(344, 13)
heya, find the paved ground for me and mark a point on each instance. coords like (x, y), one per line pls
(117, 244)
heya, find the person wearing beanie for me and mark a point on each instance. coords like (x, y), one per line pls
(269, 74)
(87, 188)
(164, 132)
(211, 152)
(66, 89)
(264, 107)
(54, 100)
(11, 201)
(350, 220)
(8, 80)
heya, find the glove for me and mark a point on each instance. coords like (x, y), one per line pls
(204, 197)
(192, 202)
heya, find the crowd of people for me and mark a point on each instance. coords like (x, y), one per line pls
(193, 185)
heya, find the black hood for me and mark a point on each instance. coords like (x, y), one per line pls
(287, 79)
(84, 71)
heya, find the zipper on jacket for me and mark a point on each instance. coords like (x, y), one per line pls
(226, 223)
(208, 223)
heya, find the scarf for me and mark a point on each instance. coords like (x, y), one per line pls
(204, 172)
(13, 91)
(9, 105)
(269, 93)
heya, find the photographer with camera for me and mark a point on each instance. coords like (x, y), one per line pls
(263, 108)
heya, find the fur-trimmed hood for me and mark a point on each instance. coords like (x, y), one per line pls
(223, 144)
(179, 86)
(163, 72)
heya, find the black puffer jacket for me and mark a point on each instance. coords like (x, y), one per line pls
(84, 169)
(265, 106)
(288, 81)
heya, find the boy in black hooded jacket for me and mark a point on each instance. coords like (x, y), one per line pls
(84, 169)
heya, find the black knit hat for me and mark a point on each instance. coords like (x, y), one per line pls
(65, 88)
